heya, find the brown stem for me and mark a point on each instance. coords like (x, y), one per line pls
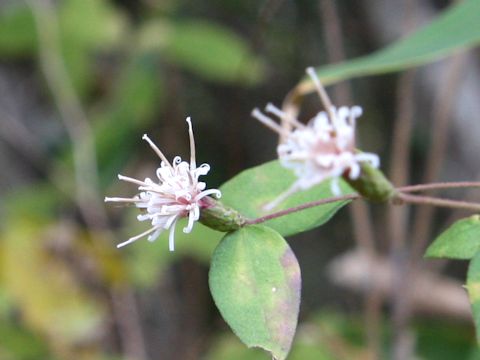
(428, 200)
(397, 217)
(308, 205)
(400, 198)
(439, 185)
(399, 172)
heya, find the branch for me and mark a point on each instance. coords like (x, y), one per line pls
(439, 186)
(305, 206)
(427, 200)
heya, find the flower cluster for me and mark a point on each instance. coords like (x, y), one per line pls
(322, 149)
(177, 194)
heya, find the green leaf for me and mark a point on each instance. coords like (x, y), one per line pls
(86, 26)
(459, 241)
(17, 31)
(95, 23)
(455, 29)
(473, 287)
(255, 282)
(252, 189)
(213, 52)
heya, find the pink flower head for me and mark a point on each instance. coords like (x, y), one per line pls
(178, 193)
(322, 149)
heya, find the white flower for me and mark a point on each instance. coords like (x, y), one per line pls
(177, 194)
(322, 149)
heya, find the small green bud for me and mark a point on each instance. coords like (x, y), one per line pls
(219, 217)
(372, 184)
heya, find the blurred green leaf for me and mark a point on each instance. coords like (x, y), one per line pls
(48, 296)
(459, 241)
(87, 26)
(153, 35)
(255, 282)
(90, 22)
(473, 287)
(440, 339)
(452, 30)
(19, 344)
(213, 52)
(17, 31)
(252, 189)
(37, 202)
(138, 94)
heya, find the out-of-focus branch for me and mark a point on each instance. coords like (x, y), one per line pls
(399, 160)
(397, 216)
(359, 210)
(434, 201)
(16, 134)
(332, 29)
(72, 114)
(440, 185)
(442, 114)
(80, 135)
(342, 94)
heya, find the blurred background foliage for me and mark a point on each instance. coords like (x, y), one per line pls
(82, 80)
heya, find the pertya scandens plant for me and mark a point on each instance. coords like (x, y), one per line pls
(254, 275)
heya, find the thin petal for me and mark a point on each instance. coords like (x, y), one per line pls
(218, 194)
(135, 238)
(373, 159)
(120, 199)
(335, 187)
(327, 104)
(265, 120)
(171, 237)
(284, 116)
(132, 180)
(191, 220)
(354, 171)
(193, 163)
(156, 149)
(155, 235)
